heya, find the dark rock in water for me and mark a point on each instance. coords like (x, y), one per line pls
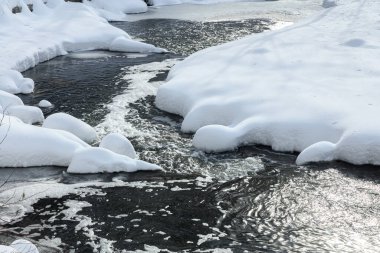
(16, 9)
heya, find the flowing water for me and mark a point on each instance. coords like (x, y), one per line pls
(249, 200)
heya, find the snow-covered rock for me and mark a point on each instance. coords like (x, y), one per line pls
(123, 44)
(118, 144)
(310, 87)
(24, 246)
(13, 82)
(71, 124)
(28, 114)
(24, 145)
(7, 100)
(97, 160)
(44, 103)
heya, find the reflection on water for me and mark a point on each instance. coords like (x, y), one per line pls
(257, 199)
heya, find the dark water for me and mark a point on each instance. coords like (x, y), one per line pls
(250, 200)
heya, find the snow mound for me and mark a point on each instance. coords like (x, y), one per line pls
(127, 45)
(96, 160)
(71, 124)
(25, 145)
(13, 82)
(311, 87)
(118, 144)
(28, 114)
(24, 246)
(44, 103)
(7, 100)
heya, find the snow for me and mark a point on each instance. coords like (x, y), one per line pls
(51, 30)
(26, 145)
(311, 88)
(28, 114)
(64, 121)
(24, 246)
(118, 144)
(44, 103)
(284, 10)
(7, 99)
(95, 160)
(19, 246)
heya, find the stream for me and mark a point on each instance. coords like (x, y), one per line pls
(249, 200)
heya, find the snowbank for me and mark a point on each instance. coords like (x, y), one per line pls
(64, 27)
(95, 160)
(28, 38)
(71, 124)
(311, 87)
(118, 144)
(26, 145)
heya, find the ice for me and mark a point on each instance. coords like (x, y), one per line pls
(118, 144)
(71, 124)
(96, 160)
(313, 84)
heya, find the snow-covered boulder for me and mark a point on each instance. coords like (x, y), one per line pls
(312, 87)
(24, 246)
(13, 82)
(7, 100)
(71, 124)
(44, 103)
(28, 114)
(24, 145)
(98, 160)
(119, 144)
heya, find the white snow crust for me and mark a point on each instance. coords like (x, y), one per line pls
(311, 87)
(44, 103)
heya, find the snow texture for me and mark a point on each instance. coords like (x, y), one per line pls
(118, 144)
(71, 124)
(19, 246)
(44, 103)
(311, 87)
(95, 160)
(26, 145)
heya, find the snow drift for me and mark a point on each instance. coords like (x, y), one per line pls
(312, 87)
